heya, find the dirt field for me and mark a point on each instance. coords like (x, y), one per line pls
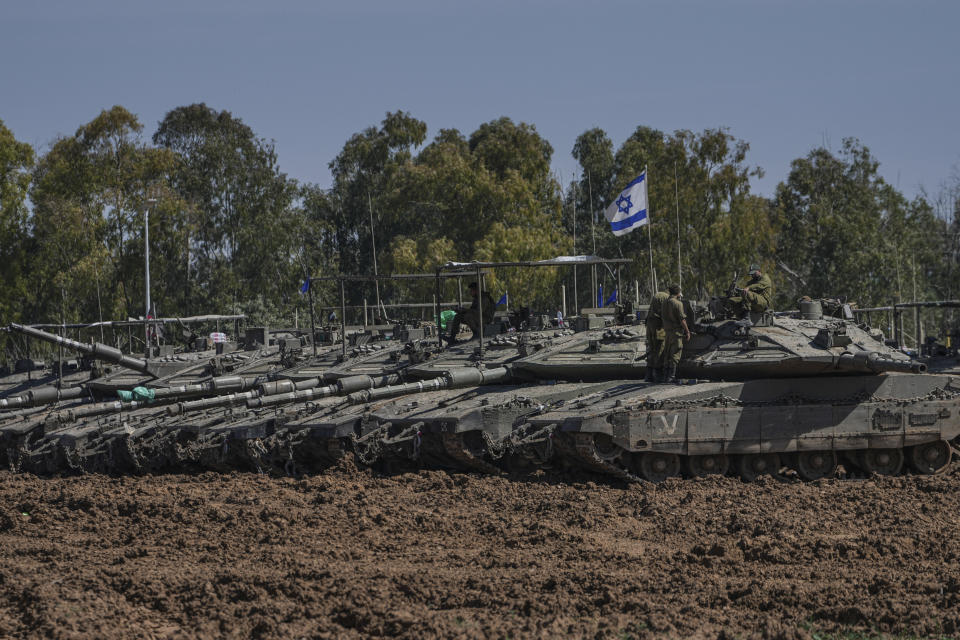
(437, 555)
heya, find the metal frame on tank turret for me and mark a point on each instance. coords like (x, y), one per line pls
(559, 261)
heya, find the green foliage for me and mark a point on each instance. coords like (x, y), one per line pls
(699, 191)
(90, 193)
(488, 197)
(244, 229)
(16, 162)
(846, 232)
(230, 232)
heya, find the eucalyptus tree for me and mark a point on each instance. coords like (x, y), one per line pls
(244, 222)
(454, 199)
(699, 203)
(90, 192)
(16, 163)
(846, 232)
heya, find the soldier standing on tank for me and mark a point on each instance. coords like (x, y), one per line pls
(755, 294)
(471, 316)
(655, 337)
(675, 331)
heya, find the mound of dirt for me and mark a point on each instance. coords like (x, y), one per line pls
(435, 555)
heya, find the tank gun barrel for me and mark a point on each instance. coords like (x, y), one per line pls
(877, 362)
(94, 349)
(283, 391)
(43, 395)
(452, 379)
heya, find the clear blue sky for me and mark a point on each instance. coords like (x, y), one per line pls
(784, 76)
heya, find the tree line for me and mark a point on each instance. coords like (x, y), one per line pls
(230, 233)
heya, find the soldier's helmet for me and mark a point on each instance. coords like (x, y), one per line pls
(754, 269)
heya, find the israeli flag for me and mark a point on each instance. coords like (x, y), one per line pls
(629, 210)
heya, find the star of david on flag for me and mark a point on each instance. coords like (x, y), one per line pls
(629, 210)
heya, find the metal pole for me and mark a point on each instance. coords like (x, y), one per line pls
(563, 300)
(364, 313)
(575, 248)
(63, 322)
(146, 244)
(480, 308)
(916, 328)
(898, 327)
(313, 324)
(343, 320)
(373, 246)
(618, 284)
(437, 307)
(593, 285)
(676, 195)
(653, 279)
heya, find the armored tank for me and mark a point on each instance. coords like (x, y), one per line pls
(792, 393)
(796, 390)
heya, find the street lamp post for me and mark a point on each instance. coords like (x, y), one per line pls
(146, 243)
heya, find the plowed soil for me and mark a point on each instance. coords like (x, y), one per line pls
(350, 554)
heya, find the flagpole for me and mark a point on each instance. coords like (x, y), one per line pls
(575, 240)
(593, 237)
(676, 195)
(653, 281)
(313, 324)
(373, 250)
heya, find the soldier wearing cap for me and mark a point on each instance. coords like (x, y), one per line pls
(675, 331)
(755, 294)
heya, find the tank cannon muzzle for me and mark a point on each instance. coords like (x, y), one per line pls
(877, 362)
(95, 349)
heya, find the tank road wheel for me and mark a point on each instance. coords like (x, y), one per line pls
(814, 465)
(657, 467)
(883, 462)
(699, 466)
(750, 467)
(605, 447)
(929, 457)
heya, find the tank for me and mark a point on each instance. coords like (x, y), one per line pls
(798, 394)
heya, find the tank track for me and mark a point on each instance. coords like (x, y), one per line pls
(455, 447)
(579, 449)
(217, 445)
(152, 440)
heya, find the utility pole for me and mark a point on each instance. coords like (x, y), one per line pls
(373, 246)
(146, 244)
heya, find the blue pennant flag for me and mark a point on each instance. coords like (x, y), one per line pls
(599, 296)
(503, 299)
(306, 286)
(612, 298)
(629, 210)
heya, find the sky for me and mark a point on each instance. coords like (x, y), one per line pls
(785, 77)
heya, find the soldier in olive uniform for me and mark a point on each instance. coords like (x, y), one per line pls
(675, 330)
(755, 294)
(471, 317)
(655, 337)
